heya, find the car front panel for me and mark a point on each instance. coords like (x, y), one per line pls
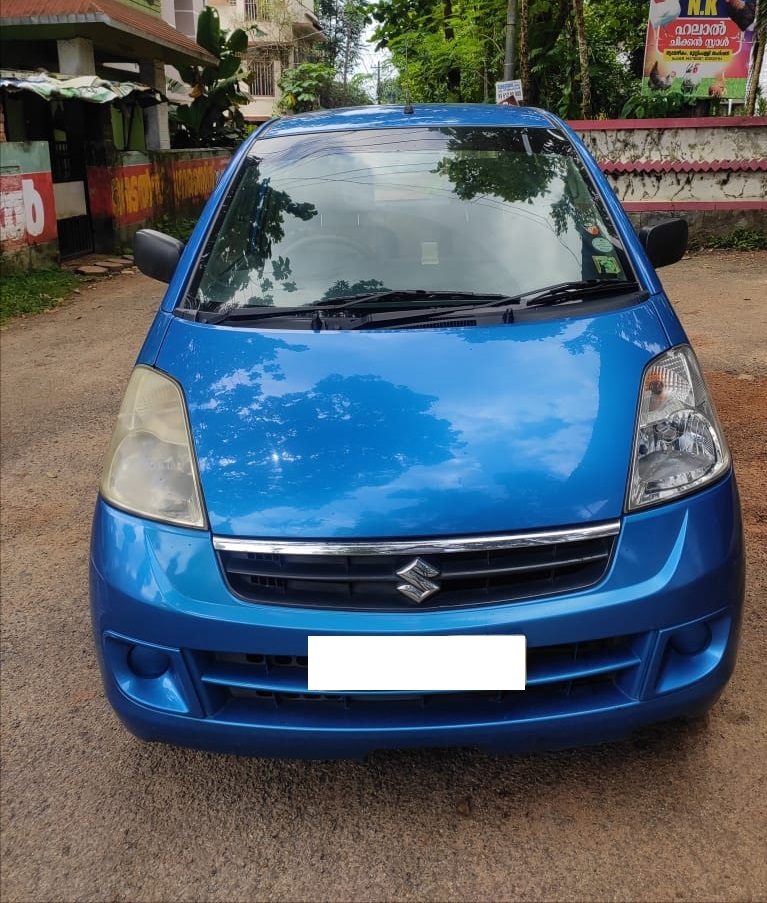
(187, 661)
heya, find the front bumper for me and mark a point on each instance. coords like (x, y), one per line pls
(186, 662)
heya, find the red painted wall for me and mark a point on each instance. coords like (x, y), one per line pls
(140, 192)
(27, 210)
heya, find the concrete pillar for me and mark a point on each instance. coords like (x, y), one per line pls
(152, 73)
(76, 57)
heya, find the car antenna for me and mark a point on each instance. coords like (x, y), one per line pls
(408, 111)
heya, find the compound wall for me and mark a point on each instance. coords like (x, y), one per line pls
(27, 209)
(135, 190)
(712, 171)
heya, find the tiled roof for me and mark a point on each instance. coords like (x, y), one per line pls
(119, 16)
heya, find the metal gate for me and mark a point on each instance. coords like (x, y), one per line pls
(68, 159)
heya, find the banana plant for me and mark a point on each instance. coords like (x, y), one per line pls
(213, 118)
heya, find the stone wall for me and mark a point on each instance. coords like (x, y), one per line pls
(712, 171)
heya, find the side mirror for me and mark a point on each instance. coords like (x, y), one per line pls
(156, 254)
(665, 242)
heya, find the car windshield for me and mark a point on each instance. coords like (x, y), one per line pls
(329, 215)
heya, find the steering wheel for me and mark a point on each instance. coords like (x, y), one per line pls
(325, 246)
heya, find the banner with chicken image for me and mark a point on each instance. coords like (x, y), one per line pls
(699, 48)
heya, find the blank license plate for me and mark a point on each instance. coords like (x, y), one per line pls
(416, 663)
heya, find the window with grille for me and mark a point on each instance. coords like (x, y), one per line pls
(251, 9)
(261, 78)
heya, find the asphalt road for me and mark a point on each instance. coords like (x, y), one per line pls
(89, 813)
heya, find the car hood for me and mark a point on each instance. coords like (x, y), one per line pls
(413, 433)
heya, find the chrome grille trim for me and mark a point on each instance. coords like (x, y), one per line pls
(492, 542)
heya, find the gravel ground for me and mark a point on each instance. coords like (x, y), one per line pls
(89, 813)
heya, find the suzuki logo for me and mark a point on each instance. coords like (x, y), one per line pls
(419, 586)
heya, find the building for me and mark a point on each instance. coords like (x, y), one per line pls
(281, 33)
(83, 168)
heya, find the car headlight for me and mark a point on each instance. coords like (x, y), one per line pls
(678, 443)
(149, 467)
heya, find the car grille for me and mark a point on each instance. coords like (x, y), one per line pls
(258, 688)
(454, 573)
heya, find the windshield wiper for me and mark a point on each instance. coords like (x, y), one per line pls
(346, 302)
(577, 290)
(394, 306)
(250, 312)
(317, 320)
(391, 300)
(559, 293)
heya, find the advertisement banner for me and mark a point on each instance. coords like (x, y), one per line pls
(699, 48)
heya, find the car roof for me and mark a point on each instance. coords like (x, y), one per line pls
(400, 116)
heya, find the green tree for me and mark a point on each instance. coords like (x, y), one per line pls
(357, 92)
(343, 22)
(593, 75)
(760, 39)
(577, 57)
(444, 50)
(314, 86)
(213, 117)
(303, 85)
(579, 24)
(388, 89)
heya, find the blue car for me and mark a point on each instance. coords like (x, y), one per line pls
(416, 453)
